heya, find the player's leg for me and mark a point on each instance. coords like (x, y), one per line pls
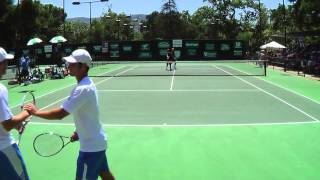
(81, 166)
(105, 172)
(12, 164)
(107, 175)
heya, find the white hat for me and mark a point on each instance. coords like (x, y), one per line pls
(79, 56)
(4, 55)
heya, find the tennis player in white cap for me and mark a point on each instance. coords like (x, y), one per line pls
(83, 104)
(12, 165)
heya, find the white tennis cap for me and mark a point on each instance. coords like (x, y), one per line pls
(4, 55)
(79, 56)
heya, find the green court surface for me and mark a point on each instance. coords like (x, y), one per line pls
(189, 127)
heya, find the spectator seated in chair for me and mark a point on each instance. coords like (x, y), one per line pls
(55, 74)
(37, 76)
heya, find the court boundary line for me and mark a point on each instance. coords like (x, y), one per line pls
(115, 75)
(186, 125)
(65, 87)
(279, 86)
(294, 92)
(270, 94)
(181, 90)
(172, 80)
(55, 102)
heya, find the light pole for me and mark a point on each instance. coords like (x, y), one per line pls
(64, 21)
(118, 21)
(142, 27)
(90, 3)
(260, 23)
(284, 23)
(126, 30)
(18, 32)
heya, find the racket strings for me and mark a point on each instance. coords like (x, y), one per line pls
(28, 96)
(48, 144)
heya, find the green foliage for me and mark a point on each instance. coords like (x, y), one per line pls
(29, 19)
(49, 20)
(7, 24)
(247, 20)
(307, 14)
(76, 32)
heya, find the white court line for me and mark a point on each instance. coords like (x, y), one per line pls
(177, 90)
(172, 80)
(72, 84)
(116, 75)
(289, 90)
(96, 85)
(277, 85)
(184, 125)
(270, 94)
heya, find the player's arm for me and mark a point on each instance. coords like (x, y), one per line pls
(53, 114)
(74, 102)
(15, 121)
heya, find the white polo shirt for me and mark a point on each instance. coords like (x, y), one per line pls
(6, 139)
(83, 104)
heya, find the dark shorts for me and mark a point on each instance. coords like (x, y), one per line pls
(12, 165)
(91, 164)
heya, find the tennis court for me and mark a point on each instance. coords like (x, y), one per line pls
(219, 123)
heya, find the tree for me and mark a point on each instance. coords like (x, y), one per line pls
(224, 16)
(28, 14)
(189, 30)
(208, 26)
(282, 20)
(30, 18)
(170, 20)
(49, 20)
(152, 28)
(76, 32)
(168, 23)
(306, 14)
(7, 24)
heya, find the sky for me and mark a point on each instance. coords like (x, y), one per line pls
(131, 6)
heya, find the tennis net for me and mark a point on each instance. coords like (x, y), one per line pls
(183, 68)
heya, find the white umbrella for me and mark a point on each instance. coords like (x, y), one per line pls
(58, 39)
(273, 45)
(34, 41)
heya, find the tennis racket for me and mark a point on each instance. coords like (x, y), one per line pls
(50, 144)
(27, 97)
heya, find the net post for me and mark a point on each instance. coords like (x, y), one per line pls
(265, 68)
(285, 66)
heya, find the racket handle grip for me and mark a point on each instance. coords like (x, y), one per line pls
(74, 137)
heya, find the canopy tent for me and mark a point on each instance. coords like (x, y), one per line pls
(272, 45)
